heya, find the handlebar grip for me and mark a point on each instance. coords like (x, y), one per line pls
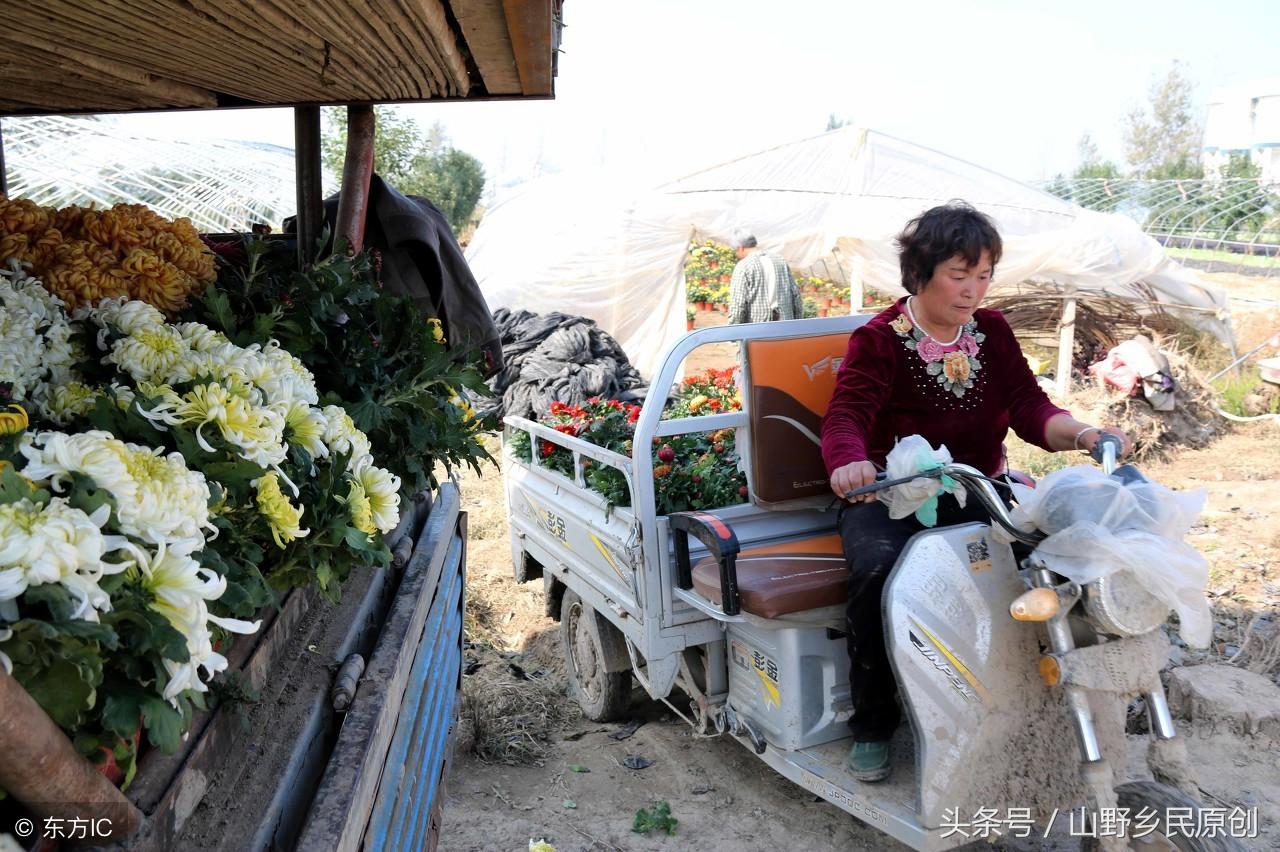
(881, 476)
(1099, 448)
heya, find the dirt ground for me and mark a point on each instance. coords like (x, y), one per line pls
(723, 797)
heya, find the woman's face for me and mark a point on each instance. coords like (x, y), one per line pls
(956, 289)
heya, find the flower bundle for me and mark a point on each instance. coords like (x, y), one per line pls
(127, 251)
(156, 480)
(108, 615)
(691, 471)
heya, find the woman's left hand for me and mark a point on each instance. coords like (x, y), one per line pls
(1091, 439)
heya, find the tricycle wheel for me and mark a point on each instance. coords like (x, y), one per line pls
(1151, 797)
(602, 694)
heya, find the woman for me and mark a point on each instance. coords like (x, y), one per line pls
(935, 365)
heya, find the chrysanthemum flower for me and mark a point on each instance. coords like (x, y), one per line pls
(56, 543)
(304, 427)
(383, 490)
(180, 590)
(284, 517)
(357, 503)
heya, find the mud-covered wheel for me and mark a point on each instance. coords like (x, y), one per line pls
(1138, 796)
(603, 695)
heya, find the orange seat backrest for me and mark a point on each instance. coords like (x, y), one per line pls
(791, 383)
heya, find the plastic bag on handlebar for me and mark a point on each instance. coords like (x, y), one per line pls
(1097, 525)
(910, 456)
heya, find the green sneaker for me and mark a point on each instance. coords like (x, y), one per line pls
(869, 761)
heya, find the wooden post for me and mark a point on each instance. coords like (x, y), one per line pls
(357, 169)
(306, 145)
(1066, 343)
(4, 177)
(40, 768)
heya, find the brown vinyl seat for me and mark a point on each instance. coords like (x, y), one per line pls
(791, 380)
(777, 579)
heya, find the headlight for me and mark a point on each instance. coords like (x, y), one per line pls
(1120, 605)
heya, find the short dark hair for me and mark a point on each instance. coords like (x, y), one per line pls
(939, 234)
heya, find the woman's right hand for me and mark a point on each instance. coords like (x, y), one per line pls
(851, 476)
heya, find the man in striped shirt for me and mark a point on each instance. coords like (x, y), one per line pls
(762, 288)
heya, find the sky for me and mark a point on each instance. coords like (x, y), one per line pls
(665, 87)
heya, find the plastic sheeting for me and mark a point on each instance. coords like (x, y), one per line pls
(1097, 525)
(592, 246)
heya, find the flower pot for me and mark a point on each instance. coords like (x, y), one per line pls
(726, 278)
(703, 306)
(824, 303)
(822, 311)
(689, 325)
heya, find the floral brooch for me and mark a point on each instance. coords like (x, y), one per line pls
(954, 367)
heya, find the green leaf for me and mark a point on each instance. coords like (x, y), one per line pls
(14, 487)
(219, 308)
(122, 710)
(164, 724)
(577, 767)
(61, 690)
(54, 596)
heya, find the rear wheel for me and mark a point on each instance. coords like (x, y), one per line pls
(1149, 797)
(603, 695)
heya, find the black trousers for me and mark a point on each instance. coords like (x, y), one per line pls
(872, 541)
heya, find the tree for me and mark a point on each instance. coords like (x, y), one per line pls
(1093, 168)
(1162, 138)
(414, 161)
(835, 122)
(1091, 163)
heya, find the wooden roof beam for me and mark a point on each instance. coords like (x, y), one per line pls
(531, 27)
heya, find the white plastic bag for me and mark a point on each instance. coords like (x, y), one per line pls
(910, 456)
(1097, 525)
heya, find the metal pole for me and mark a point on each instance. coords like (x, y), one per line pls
(4, 178)
(1066, 343)
(306, 144)
(353, 202)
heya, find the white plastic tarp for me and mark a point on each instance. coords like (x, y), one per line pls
(615, 253)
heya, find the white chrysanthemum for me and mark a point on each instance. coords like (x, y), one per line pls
(57, 543)
(35, 338)
(171, 503)
(382, 488)
(127, 317)
(21, 355)
(69, 401)
(304, 427)
(342, 436)
(53, 456)
(151, 354)
(180, 591)
(157, 498)
(200, 337)
(283, 378)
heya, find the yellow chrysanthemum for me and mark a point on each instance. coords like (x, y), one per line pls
(357, 503)
(304, 427)
(13, 419)
(437, 330)
(284, 517)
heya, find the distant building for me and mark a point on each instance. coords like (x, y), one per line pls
(1244, 119)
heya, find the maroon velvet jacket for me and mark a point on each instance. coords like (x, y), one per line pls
(884, 392)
